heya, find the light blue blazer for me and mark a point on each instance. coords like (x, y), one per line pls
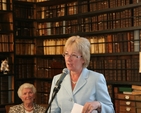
(91, 86)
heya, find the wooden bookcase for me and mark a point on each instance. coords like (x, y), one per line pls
(25, 32)
(6, 53)
(41, 28)
(31, 64)
(114, 30)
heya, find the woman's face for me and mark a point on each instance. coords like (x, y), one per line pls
(27, 96)
(73, 59)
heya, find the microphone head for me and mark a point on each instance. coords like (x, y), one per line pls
(65, 70)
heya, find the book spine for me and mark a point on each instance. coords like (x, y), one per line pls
(136, 40)
(136, 87)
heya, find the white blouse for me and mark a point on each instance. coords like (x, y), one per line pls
(28, 111)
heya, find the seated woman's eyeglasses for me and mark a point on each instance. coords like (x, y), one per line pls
(66, 55)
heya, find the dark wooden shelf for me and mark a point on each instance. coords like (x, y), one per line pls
(51, 2)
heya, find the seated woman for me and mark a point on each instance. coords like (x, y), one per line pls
(26, 93)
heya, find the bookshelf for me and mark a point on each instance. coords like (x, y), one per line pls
(25, 32)
(114, 30)
(34, 44)
(6, 53)
(35, 61)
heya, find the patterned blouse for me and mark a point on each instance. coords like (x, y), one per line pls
(20, 109)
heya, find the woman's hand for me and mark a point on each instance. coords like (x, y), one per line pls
(89, 107)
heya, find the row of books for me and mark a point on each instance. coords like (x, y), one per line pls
(32, 0)
(6, 26)
(133, 90)
(83, 6)
(114, 68)
(110, 3)
(57, 10)
(6, 22)
(49, 12)
(45, 72)
(42, 0)
(24, 29)
(113, 43)
(3, 4)
(40, 68)
(6, 97)
(116, 16)
(99, 44)
(117, 68)
(25, 67)
(104, 4)
(6, 90)
(61, 27)
(6, 43)
(52, 46)
(137, 14)
(24, 11)
(47, 68)
(119, 19)
(108, 43)
(97, 3)
(43, 86)
(25, 47)
(69, 8)
(42, 98)
(136, 90)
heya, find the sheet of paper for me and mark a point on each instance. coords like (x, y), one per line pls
(77, 108)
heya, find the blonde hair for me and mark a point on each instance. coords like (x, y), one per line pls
(24, 86)
(82, 45)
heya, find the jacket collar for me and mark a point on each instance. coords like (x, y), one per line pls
(80, 83)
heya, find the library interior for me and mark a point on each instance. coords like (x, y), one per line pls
(32, 38)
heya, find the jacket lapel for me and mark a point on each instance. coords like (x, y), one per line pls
(81, 81)
(67, 84)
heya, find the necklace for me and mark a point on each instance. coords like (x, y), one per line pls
(73, 82)
(28, 109)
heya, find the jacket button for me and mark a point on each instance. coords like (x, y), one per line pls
(71, 99)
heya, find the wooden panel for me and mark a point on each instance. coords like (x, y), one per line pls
(126, 103)
(127, 109)
(126, 97)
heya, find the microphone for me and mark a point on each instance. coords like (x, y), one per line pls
(63, 75)
(57, 86)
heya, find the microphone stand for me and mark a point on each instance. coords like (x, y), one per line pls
(57, 86)
(55, 91)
